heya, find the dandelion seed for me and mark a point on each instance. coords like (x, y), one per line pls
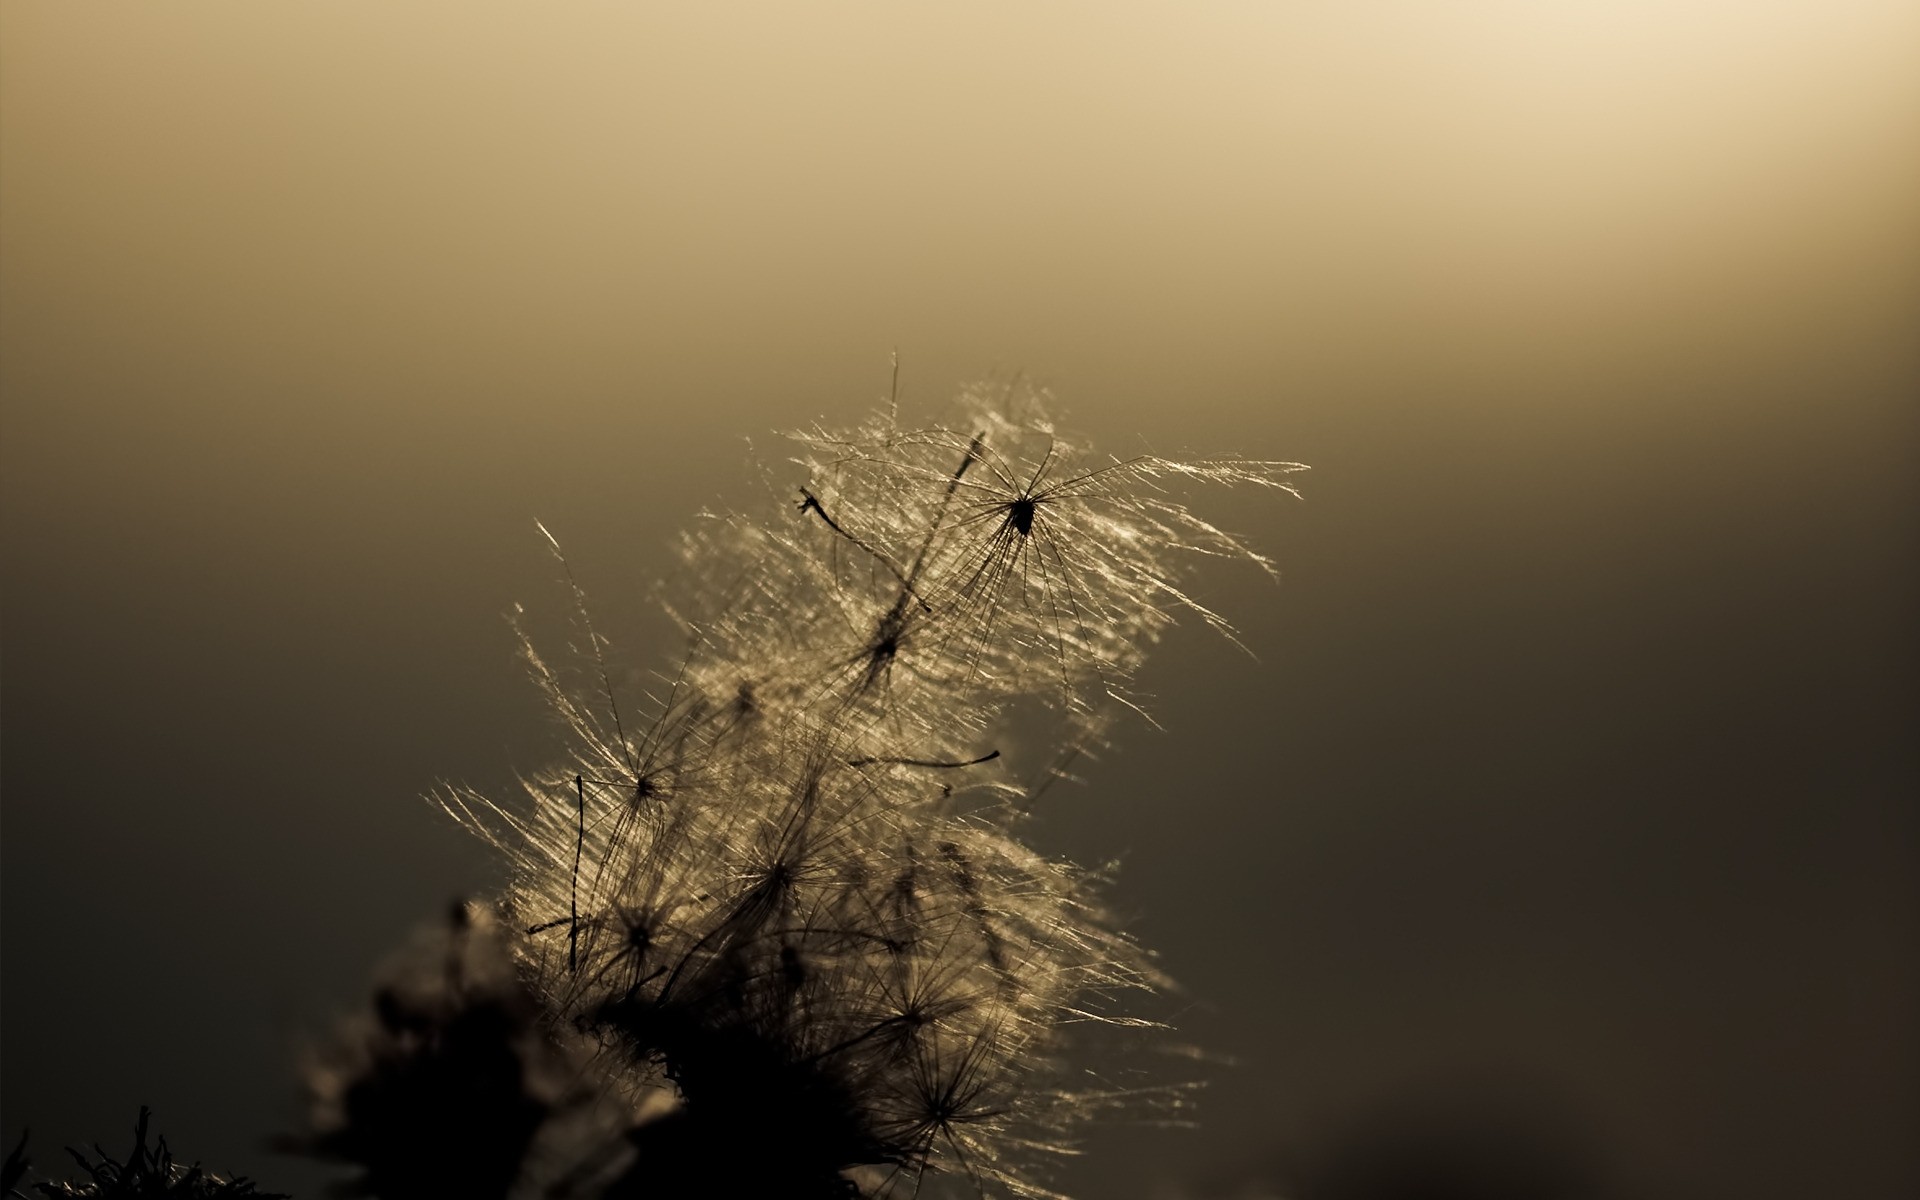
(1041, 546)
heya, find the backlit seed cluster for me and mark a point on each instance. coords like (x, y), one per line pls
(783, 910)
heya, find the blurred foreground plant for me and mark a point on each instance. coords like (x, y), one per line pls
(775, 933)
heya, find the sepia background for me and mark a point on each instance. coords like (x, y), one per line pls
(1560, 837)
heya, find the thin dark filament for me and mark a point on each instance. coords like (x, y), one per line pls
(1053, 603)
(1006, 551)
(989, 756)
(624, 816)
(1006, 545)
(811, 502)
(1054, 774)
(573, 897)
(893, 392)
(1045, 461)
(593, 640)
(973, 456)
(1002, 510)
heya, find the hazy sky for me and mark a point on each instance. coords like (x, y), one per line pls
(1569, 806)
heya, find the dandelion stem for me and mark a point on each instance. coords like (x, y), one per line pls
(946, 501)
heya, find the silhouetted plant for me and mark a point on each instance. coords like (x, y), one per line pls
(784, 926)
(145, 1172)
(15, 1168)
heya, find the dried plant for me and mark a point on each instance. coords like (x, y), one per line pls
(781, 916)
(147, 1173)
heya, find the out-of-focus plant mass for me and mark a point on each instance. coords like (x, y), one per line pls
(773, 929)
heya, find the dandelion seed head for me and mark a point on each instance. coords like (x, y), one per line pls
(787, 890)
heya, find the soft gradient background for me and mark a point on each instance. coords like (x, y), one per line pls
(1565, 832)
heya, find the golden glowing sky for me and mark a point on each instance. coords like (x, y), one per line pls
(1579, 755)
